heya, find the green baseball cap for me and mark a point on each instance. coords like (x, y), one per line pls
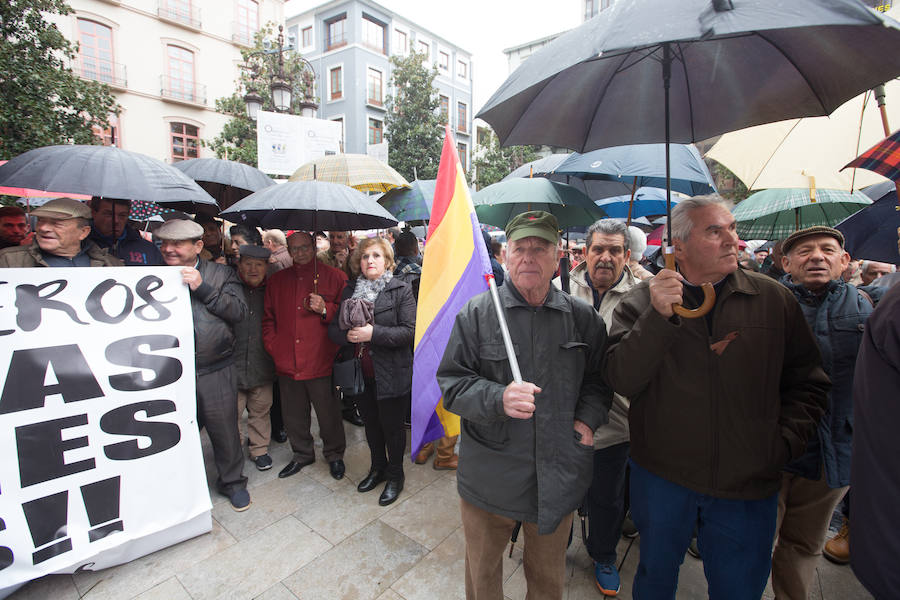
(535, 223)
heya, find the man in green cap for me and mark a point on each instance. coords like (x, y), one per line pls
(527, 448)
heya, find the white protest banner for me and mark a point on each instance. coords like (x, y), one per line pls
(98, 424)
(378, 151)
(284, 142)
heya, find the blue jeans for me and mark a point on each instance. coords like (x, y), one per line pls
(735, 538)
(605, 502)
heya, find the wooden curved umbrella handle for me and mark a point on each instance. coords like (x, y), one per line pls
(709, 295)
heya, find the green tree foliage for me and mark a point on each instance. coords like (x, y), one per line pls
(492, 163)
(237, 141)
(727, 183)
(42, 102)
(414, 129)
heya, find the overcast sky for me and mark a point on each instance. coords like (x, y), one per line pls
(482, 27)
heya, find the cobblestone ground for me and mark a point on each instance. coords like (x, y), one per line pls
(310, 537)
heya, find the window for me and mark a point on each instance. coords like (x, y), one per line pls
(424, 47)
(373, 35)
(445, 109)
(247, 23)
(307, 37)
(341, 121)
(179, 10)
(373, 81)
(181, 74)
(96, 52)
(376, 131)
(590, 9)
(400, 42)
(461, 117)
(461, 150)
(444, 61)
(336, 83)
(109, 136)
(462, 69)
(185, 140)
(337, 29)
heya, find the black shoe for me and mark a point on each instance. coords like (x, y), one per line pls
(392, 489)
(293, 467)
(337, 468)
(280, 436)
(371, 481)
(351, 415)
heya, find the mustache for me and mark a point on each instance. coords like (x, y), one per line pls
(604, 264)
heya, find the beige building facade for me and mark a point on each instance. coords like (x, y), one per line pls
(166, 61)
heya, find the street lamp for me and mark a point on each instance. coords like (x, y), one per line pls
(281, 86)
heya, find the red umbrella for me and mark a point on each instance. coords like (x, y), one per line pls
(882, 158)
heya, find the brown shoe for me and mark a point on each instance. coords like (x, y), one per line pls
(837, 549)
(426, 451)
(446, 459)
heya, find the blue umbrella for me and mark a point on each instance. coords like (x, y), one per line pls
(410, 204)
(648, 201)
(871, 233)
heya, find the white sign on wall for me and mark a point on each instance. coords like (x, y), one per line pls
(379, 151)
(98, 423)
(284, 142)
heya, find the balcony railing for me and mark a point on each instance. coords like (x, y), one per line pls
(241, 34)
(104, 71)
(181, 90)
(175, 12)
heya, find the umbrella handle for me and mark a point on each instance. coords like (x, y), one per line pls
(709, 295)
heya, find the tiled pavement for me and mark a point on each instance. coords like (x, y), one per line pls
(310, 537)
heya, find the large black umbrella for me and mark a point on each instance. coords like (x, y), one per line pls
(310, 206)
(106, 171)
(225, 180)
(722, 65)
(871, 233)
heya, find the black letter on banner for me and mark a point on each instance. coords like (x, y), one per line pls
(6, 554)
(24, 388)
(145, 288)
(30, 303)
(127, 353)
(94, 303)
(41, 447)
(122, 421)
(47, 519)
(101, 501)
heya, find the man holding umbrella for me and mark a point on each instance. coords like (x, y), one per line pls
(217, 304)
(708, 436)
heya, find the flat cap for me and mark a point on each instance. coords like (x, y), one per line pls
(536, 223)
(254, 251)
(179, 229)
(795, 237)
(63, 208)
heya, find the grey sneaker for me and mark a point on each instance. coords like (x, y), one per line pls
(263, 462)
(240, 500)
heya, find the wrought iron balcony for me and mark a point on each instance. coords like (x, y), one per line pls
(104, 71)
(181, 90)
(176, 11)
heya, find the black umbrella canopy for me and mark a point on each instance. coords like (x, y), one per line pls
(225, 180)
(310, 206)
(735, 63)
(106, 171)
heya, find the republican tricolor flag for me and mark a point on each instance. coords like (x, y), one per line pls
(454, 269)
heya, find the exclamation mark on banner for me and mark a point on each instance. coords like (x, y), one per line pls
(101, 501)
(47, 519)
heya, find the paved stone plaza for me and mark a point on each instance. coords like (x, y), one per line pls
(310, 537)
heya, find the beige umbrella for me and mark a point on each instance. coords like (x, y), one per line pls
(365, 173)
(809, 152)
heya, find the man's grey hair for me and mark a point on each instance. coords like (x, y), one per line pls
(276, 236)
(608, 227)
(682, 224)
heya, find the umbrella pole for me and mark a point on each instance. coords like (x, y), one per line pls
(880, 96)
(634, 189)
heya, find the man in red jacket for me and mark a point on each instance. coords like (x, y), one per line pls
(300, 303)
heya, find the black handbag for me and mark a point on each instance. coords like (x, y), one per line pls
(348, 375)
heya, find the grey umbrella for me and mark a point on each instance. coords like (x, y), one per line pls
(722, 65)
(106, 171)
(225, 180)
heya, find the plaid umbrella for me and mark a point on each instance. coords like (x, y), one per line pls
(359, 171)
(776, 213)
(498, 203)
(410, 204)
(882, 158)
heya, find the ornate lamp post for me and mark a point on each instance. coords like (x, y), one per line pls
(280, 86)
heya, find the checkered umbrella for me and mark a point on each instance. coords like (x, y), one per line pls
(359, 171)
(776, 213)
(882, 158)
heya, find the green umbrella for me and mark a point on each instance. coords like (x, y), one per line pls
(498, 203)
(776, 213)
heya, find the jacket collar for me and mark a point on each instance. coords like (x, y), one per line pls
(579, 276)
(742, 283)
(803, 293)
(555, 298)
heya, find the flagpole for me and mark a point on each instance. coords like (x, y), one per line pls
(504, 329)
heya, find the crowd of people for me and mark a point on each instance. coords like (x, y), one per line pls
(629, 408)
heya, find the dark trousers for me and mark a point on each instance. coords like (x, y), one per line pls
(275, 413)
(217, 412)
(734, 536)
(297, 397)
(385, 432)
(605, 502)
